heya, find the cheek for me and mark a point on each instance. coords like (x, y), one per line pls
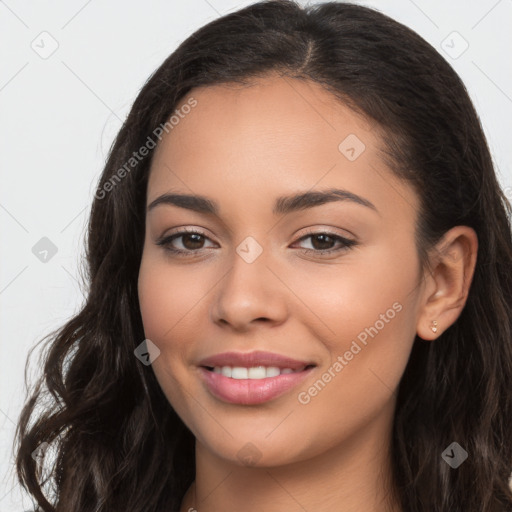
(167, 296)
(364, 312)
(350, 296)
(172, 299)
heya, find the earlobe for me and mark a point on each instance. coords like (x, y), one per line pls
(453, 262)
(428, 330)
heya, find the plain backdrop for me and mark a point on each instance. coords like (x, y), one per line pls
(68, 76)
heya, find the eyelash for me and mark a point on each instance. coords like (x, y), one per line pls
(346, 243)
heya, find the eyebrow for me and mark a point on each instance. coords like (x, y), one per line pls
(282, 206)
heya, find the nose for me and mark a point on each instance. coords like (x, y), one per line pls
(249, 293)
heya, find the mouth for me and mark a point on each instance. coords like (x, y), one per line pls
(251, 385)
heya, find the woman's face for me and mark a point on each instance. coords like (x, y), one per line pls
(269, 273)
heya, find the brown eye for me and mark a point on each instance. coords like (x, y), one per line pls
(322, 243)
(191, 242)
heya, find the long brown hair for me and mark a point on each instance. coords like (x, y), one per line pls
(118, 443)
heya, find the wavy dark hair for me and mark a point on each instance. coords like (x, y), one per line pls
(118, 443)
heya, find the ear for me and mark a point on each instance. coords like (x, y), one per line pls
(447, 281)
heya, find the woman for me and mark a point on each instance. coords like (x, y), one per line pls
(300, 292)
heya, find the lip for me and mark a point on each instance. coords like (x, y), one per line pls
(255, 358)
(251, 391)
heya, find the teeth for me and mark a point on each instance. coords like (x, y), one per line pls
(256, 372)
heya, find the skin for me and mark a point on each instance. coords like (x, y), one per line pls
(243, 147)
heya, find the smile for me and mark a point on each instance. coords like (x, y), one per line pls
(250, 386)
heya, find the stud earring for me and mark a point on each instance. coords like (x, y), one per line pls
(434, 326)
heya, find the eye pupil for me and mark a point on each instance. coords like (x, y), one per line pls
(322, 237)
(198, 241)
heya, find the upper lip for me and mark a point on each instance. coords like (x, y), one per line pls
(251, 359)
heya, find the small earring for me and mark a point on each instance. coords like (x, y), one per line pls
(434, 326)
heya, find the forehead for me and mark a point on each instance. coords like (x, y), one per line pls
(276, 135)
(272, 112)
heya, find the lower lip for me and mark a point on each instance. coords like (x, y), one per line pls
(251, 391)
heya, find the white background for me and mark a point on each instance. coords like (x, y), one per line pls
(60, 114)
